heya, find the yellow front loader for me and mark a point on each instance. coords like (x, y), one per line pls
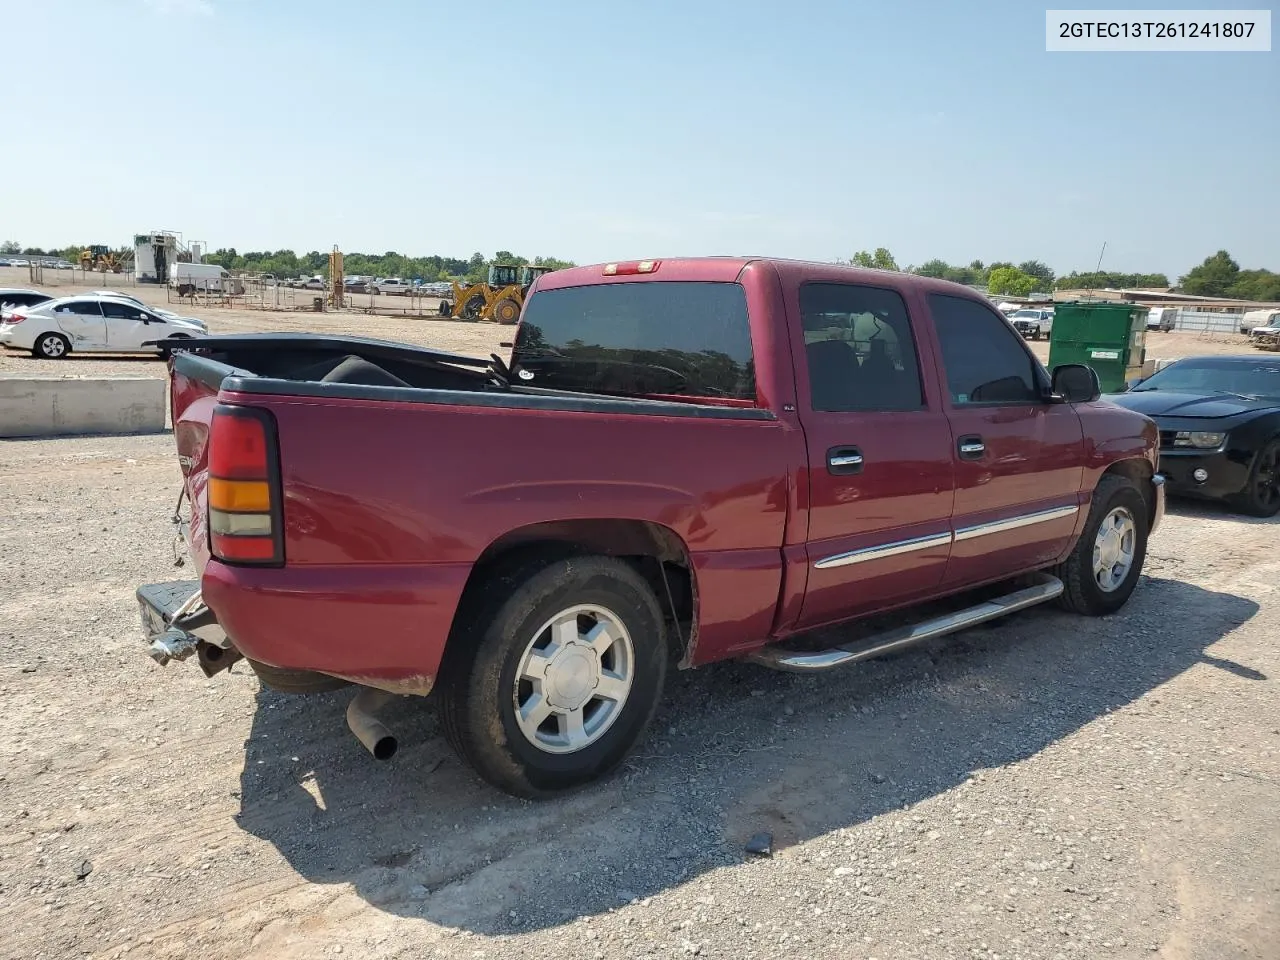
(500, 298)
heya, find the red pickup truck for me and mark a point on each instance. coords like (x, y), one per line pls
(681, 461)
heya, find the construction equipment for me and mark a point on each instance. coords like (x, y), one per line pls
(500, 298)
(99, 257)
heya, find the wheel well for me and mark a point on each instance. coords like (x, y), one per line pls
(1139, 472)
(656, 551)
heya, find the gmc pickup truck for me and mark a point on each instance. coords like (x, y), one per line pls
(680, 462)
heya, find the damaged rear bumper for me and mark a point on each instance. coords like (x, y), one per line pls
(177, 624)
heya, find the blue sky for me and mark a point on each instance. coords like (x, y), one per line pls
(611, 131)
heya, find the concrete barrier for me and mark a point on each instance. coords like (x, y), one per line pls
(56, 406)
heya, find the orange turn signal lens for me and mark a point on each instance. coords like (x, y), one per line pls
(239, 496)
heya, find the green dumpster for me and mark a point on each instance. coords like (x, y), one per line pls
(1110, 337)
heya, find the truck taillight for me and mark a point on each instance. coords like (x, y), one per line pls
(246, 522)
(634, 267)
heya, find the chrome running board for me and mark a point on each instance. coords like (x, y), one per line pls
(1046, 588)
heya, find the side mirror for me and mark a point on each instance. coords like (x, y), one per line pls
(1076, 383)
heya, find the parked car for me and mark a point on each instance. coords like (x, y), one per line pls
(115, 295)
(391, 285)
(16, 299)
(355, 285)
(681, 461)
(56, 328)
(1032, 324)
(1254, 320)
(1161, 318)
(1219, 420)
(313, 283)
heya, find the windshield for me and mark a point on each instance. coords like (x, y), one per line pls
(639, 338)
(1031, 314)
(1249, 378)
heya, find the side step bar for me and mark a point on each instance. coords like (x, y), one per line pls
(1046, 588)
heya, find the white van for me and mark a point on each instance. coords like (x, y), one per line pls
(206, 277)
(1259, 318)
(1161, 318)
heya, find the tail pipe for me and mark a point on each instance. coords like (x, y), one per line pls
(368, 729)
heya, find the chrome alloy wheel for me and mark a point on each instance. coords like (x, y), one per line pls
(1114, 549)
(574, 679)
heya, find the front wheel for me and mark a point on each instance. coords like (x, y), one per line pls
(1261, 494)
(1103, 568)
(556, 676)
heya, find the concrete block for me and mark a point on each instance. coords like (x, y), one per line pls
(56, 406)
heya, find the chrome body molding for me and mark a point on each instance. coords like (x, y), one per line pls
(944, 539)
(887, 550)
(1014, 523)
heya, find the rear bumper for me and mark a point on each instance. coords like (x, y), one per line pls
(381, 625)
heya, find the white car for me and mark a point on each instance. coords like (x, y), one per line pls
(93, 324)
(392, 285)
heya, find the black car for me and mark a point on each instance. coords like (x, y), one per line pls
(1219, 420)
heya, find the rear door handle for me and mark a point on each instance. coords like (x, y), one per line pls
(844, 461)
(972, 448)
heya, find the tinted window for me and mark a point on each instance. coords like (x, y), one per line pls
(984, 360)
(123, 311)
(859, 347)
(22, 299)
(87, 308)
(648, 337)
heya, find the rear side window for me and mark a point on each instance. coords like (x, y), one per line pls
(860, 349)
(984, 360)
(84, 308)
(679, 338)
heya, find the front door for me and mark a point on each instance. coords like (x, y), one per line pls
(1019, 459)
(880, 470)
(81, 320)
(129, 325)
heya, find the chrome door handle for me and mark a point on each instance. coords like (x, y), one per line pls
(843, 461)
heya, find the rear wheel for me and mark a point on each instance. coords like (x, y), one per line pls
(506, 311)
(1103, 569)
(52, 346)
(1261, 495)
(555, 674)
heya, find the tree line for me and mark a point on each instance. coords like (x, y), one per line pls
(1217, 276)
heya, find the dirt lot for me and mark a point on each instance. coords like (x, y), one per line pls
(1043, 787)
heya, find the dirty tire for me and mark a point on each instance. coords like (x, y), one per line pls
(506, 312)
(1082, 594)
(295, 681)
(52, 346)
(472, 309)
(479, 682)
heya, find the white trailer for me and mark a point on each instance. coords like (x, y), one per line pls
(205, 277)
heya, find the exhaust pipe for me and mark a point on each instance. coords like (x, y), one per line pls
(369, 730)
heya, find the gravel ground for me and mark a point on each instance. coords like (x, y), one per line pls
(1044, 787)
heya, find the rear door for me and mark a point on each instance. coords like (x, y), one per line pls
(82, 321)
(879, 446)
(1018, 459)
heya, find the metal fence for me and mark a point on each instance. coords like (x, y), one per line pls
(1209, 323)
